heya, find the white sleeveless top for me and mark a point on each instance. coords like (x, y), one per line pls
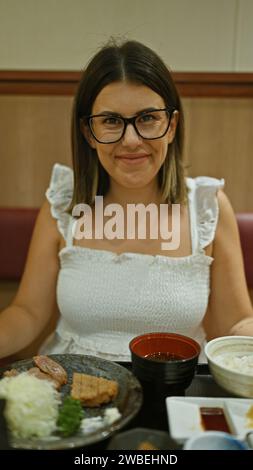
(106, 299)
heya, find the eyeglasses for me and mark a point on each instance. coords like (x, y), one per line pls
(109, 128)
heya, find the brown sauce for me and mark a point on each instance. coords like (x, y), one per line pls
(213, 419)
(160, 356)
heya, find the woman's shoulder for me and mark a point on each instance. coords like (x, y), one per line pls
(227, 216)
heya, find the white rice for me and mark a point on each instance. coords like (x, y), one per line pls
(236, 363)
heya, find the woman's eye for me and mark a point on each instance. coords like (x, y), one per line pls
(111, 120)
(146, 118)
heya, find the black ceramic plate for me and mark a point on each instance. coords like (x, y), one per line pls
(128, 401)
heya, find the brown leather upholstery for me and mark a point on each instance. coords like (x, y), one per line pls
(245, 224)
(16, 226)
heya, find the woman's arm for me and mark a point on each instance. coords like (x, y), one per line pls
(229, 309)
(35, 302)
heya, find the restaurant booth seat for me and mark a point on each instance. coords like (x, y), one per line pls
(16, 227)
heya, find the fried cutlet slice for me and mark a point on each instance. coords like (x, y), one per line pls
(93, 391)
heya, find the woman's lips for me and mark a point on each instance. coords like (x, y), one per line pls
(133, 159)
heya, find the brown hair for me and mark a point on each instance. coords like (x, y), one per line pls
(133, 62)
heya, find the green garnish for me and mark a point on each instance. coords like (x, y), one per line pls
(70, 416)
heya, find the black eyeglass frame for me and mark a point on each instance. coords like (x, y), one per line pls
(127, 121)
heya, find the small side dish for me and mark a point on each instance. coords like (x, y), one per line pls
(190, 416)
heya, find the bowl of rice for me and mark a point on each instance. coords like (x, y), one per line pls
(230, 360)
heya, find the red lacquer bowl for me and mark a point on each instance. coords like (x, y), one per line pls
(166, 357)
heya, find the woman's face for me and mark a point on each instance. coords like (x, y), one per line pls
(132, 162)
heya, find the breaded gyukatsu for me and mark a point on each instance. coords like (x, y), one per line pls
(52, 368)
(93, 391)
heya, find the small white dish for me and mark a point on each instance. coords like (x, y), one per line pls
(241, 415)
(185, 419)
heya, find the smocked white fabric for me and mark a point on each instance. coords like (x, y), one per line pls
(106, 299)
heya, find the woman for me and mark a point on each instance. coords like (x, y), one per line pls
(127, 139)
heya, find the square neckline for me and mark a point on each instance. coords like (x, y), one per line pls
(192, 224)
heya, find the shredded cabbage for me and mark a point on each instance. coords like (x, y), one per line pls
(31, 405)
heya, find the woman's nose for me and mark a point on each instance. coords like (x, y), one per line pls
(130, 137)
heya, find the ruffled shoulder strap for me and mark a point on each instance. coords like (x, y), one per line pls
(204, 209)
(59, 195)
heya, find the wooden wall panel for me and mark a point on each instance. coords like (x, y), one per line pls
(219, 142)
(35, 133)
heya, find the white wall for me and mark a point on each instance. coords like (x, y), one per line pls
(191, 35)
